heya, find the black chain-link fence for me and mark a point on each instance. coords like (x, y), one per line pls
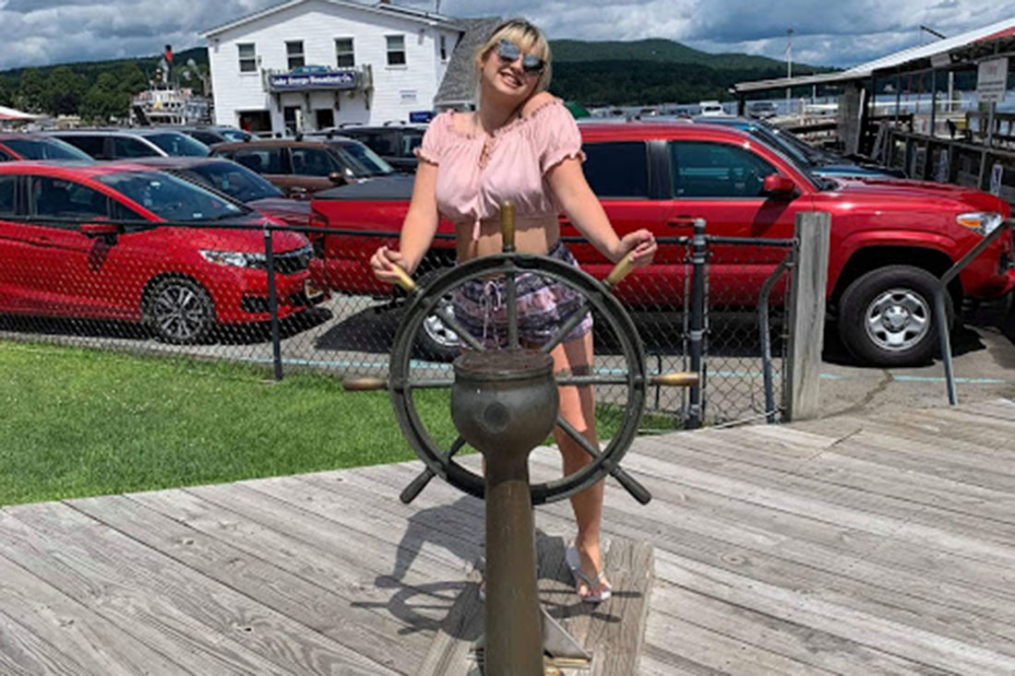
(304, 299)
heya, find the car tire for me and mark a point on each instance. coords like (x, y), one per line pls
(886, 317)
(434, 340)
(178, 310)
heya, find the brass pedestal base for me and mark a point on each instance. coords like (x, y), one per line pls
(612, 633)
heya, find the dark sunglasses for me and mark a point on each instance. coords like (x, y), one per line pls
(508, 52)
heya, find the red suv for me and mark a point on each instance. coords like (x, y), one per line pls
(62, 255)
(891, 240)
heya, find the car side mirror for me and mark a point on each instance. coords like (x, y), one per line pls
(337, 178)
(107, 231)
(779, 186)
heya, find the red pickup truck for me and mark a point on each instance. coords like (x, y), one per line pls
(890, 240)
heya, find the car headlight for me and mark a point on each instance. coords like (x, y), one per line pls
(237, 259)
(982, 222)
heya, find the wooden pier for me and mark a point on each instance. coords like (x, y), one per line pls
(841, 546)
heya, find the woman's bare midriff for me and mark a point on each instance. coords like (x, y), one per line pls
(533, 235)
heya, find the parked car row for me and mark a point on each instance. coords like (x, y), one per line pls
(301, 167)
(891, 239)
(88, 241)
(396, 144)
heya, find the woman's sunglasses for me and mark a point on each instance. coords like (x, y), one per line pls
(508, 52)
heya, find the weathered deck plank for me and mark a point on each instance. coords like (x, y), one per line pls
(295, 597)
(96, 644)
(847, 546)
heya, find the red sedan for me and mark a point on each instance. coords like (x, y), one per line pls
(90, 242)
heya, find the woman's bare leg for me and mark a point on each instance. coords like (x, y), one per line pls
(578, 407)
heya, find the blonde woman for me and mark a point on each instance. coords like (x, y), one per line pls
(523, 146)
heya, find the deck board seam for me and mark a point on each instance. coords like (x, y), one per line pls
(215, 582)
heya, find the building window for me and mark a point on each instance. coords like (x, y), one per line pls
(396, 50)
(444, 48)
(294, 50)
(248, 58)
(344, 54)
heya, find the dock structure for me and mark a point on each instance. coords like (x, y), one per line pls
(943, 139)
(849, 545)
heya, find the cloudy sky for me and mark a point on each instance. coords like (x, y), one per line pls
(843, 33)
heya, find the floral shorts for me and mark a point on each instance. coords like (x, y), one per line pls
(543, 304)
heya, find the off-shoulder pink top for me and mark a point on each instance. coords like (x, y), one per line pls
(476, 173)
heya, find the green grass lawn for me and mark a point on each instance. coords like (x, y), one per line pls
(80, 422)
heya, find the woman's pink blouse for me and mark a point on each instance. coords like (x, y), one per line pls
(472, 184)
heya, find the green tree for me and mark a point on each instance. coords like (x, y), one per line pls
(31, 88)
(130, 79)
(105, 99)
(64, 91)
(6, 92)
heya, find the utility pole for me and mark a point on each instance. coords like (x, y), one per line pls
(789, 69)
(951, 73)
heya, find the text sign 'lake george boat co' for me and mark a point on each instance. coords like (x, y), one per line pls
(335, 80)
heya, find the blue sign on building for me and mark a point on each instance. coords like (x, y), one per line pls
(307, 81)
(420, 116)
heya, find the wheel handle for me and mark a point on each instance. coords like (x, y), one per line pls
(509, 264)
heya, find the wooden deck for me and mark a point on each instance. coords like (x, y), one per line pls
(846, 546)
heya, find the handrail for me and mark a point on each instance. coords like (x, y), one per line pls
(941, 314)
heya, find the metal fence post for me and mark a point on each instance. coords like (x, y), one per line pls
(699, 252)
(276, 344)
(807, 316)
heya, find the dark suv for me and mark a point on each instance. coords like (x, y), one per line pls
(303, 167)
(17, 146)
(395, 143)
(127, 143)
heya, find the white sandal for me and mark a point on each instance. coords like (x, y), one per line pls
(574, 562)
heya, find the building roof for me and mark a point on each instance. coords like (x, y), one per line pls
(459, 84)
(382, 8)
(12, 114)
(995, 31)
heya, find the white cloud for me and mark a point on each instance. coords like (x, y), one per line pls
(41, 32)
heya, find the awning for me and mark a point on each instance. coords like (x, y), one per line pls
(12, 114)
(995, 31)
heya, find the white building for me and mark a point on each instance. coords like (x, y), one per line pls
(309, 64)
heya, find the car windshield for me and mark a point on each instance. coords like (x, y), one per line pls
(45, 149)
(234, 134)
(179, 145)
(794, 155)
(814, 155)
(172, 198)
(235, 180)
(365, 162)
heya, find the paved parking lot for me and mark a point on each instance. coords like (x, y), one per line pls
(984, 350)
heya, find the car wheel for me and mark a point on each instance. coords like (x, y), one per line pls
(886, 317)
(179, 311)
(435, 341)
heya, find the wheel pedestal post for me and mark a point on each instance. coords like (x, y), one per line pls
(513, 640)
(505, 403)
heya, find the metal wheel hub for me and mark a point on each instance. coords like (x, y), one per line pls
(177, 311)
(438, 331)
(897, 319)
